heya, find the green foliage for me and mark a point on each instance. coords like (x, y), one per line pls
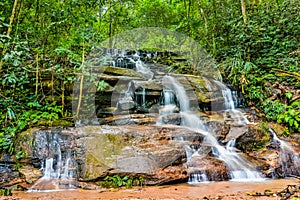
(26, 117)
(49, 39)
(283, 114)
(6, 192)
(117, 181)
(102, 85)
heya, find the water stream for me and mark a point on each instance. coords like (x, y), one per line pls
(58, 169)
(289, 160)
(229, 105)
(240, 168)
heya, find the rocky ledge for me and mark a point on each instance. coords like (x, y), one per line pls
(156, 153)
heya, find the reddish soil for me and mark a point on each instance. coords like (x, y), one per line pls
(217, 190)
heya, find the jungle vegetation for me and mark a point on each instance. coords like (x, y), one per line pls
(43, 44)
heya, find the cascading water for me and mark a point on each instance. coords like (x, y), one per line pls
(240, 168)
(229, 105)
(58, 169)
(289, 160)
(169, 106)
(143, 98)
(141, 67)
(125, 101)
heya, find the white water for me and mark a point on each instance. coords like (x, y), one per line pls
(237, 116)
(240, 168)
(57, 175)
(142, 68)
(144, 98)
(288, 157)
(198, 177)
(169, 97)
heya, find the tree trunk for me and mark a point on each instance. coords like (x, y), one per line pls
(110, 25)
(204, 17)
(11, 20)
(244, 13)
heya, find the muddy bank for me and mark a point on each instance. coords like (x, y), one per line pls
(216, 190)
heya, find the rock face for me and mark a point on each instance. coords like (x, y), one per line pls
(131, 91)
(156, 153)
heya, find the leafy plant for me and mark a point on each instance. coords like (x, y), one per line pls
(291, 117)
(117, 181)
(6, 192)
(102, 85)
(284, 114)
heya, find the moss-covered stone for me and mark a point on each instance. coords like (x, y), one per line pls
(102, 151)
(24, 144)
(257, 138)
(117, 71)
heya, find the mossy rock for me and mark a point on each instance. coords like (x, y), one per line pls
(24, 144)
(257, 138)
(117, 71)
(102, 152)
(280, 130)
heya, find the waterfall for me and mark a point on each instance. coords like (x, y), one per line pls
(289, 159)
(118, 58)
(140, 97)
(169, 97)
(58, 171)
(229, 104)
(240, 168)
(198, 177)
(143, 98)
(125, 100)
(142, 68)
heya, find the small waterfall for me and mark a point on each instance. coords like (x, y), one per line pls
(58, 169)
(198, 177)
(239, 167)
(125, 101)
(143, 98)
(169, 97)
(169, 106)
(289, 159)
(140, 97)
(229, 104)
(189, 119)
(121, 58)
(142, 68)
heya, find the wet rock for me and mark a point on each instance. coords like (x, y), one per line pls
(255, 138)
(131, 151)
(126, 104)
(170, 174)
(215, 169)
(88, 186)
(156, 153)
(30, 173)
(235, 132)
(130, 119)
(8, 173)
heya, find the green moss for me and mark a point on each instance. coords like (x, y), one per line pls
(122, 72)
(102, 153)
(62, 123)
(112, 138)
(256, 139)
(25, 144)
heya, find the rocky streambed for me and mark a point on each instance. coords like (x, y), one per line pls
(156, 153)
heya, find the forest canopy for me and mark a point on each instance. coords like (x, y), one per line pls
(255, 44)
